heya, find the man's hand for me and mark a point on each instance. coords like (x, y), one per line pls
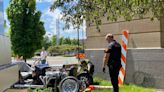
(103, 69)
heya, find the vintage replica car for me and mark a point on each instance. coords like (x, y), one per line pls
(61, 78)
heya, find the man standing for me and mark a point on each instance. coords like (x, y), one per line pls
(43, 55)
(112, 58)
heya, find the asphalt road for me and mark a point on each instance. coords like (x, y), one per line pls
(57, 60)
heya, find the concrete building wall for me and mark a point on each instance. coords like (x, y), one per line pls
(145, 61)
(8, 72)
(8, 76)
(5, 50)
(144, 66)
(162, 31)
(143, 33)
(140, 40)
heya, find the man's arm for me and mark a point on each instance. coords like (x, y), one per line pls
(105, 59)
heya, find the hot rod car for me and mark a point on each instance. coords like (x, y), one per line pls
(61, 78)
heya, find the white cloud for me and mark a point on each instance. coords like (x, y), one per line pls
(50, 18)
(82, 28)
(56, 13)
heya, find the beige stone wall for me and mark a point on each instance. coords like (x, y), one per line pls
(141, 40)
(143, 33)
(162, 31)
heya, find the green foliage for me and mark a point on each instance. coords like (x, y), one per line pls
(61, 40)
(124, 88)
(76, 11)
(99, 81)
(63, 48)
(68, 41)
(64, 41)
(129, 88)
(46, 42)
(74, 42)
(26, 28)
(54, 37)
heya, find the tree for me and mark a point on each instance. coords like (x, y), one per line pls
(74, 42)
(61, 40)
(67, 41)
(54, 37)
(46, 42)
(76, 11)
(26, 28)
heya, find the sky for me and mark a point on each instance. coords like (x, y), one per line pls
(49, 18)
(1, 17)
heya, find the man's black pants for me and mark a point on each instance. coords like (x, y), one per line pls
(114, 72)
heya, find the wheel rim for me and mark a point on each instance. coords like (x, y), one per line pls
(69, 85)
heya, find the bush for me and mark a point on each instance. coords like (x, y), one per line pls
(40, 90)
(62, 49)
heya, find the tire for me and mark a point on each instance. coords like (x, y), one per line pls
(85, 77)
(69, 84)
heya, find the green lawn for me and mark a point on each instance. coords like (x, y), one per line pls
(98, 81)
(124, 88)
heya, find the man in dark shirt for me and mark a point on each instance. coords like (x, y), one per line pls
(112, 58)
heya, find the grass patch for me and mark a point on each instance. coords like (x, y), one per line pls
(99, 81)
(124, 88)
